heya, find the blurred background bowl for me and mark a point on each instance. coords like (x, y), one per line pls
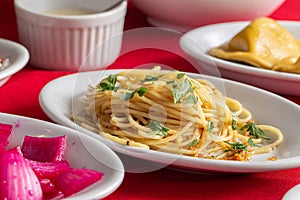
(183, 15)
(58, 40)
(199, 41)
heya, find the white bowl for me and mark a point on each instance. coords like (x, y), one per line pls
(70, 42)
(17, 56)
(183, 15)
(293, 193)
(197, 42)
(82, 152)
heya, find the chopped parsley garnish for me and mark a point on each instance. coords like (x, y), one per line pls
(255, 131)
(234, 124)
(157, 128)
(234, 121)
(150, 78)
(129, 95)
(126, 96)
(236, 146)
(180, 75)
(194, 142)
(191, 99)
(116, 88)
(109, 83)
(251, 143)
(141, 91)
(171, 82)
(210, 126)
(180, 90)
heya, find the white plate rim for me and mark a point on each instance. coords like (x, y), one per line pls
(22, 57)
(207, 165)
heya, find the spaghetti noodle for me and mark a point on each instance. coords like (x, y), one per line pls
(171, 112)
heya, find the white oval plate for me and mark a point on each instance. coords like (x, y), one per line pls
(82, 152)
(293, 193)
(57, 96)
(18, 57)
(198, 41)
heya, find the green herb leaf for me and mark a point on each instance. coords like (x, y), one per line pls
(234, 124)
(150, 78)
(194, 142)
(157, 128)
(180, 75)
(116, 88)
(251, 143)
(236, 146)
(210, 126)
(255, 131)
(126, 96)
(129, 95)
(171, 82)
(234, 121)
(180, 90)
(191, 99)
(141, 91)
(109, 83)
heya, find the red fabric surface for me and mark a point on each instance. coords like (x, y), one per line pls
(20, 96)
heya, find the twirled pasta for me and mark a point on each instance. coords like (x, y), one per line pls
(171, 112)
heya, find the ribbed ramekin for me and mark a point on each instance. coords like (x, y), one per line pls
(70, 43)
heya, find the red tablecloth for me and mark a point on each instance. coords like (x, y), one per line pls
(20, 96)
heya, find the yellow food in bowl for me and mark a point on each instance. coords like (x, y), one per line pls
(263, 43)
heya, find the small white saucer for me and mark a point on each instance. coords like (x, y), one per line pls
(17, 55)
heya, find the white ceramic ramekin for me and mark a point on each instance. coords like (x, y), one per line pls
(70, 43)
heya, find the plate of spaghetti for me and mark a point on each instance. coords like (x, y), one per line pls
(179, 119)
